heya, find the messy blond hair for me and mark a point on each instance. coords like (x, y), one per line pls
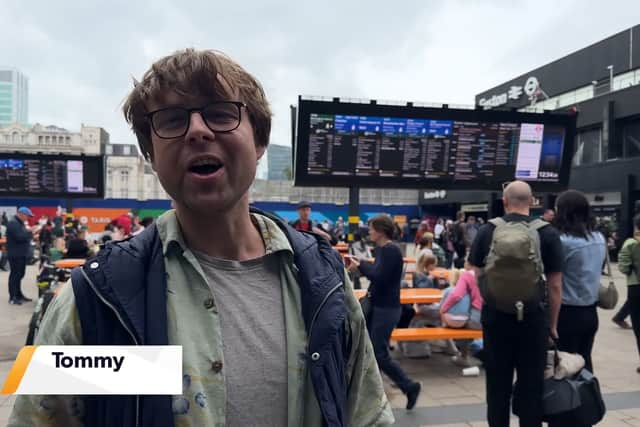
(424, 262)
(191, 72)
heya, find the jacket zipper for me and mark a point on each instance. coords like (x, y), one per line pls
(133, 337)
(317, 312)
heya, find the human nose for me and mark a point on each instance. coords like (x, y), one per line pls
(198, 130)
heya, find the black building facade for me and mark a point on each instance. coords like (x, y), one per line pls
(602, 83)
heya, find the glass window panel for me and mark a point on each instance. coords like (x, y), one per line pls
(631, 138)
(589, 147)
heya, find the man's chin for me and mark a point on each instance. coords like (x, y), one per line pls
(208, 205)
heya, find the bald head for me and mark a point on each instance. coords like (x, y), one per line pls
(517, 197)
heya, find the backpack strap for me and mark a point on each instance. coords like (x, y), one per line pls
(537, 224)
(498, 222)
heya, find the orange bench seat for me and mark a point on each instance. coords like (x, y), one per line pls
(426, 334)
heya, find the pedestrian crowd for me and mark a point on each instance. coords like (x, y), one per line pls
(270, 328)
(51, 239)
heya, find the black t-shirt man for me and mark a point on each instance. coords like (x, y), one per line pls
(512, 344)
(550, 245)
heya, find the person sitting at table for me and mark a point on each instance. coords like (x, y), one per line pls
(427, 315)
(426, 263)
(78, 246)
(427, 246)
(461, 307)
(56, 252)
(426, 277)
(359, 249)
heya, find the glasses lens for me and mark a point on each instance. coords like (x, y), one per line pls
(170, 123)
(222, 117)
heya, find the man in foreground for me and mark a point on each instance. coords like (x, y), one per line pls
(270, 329)
(511, 255)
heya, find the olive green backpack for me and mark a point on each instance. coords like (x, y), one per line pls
(513, 277)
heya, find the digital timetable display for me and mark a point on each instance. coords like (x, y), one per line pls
(40, 175)
(471, 149)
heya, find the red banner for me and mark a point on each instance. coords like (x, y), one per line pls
(40, 211)
(97, 218)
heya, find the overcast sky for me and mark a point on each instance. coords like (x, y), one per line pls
(80, 56)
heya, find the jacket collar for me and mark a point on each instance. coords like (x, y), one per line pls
(272, 230)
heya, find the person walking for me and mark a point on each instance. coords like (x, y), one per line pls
(471, 230)
(448, 244)
(45, 238)
(629, 265)
(549, 215)
(620, 317)
(385, 275)
(437, 231)
(460, 240)
(510, 256)
(18, 248)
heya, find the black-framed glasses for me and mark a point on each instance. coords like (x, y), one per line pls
(174, 122)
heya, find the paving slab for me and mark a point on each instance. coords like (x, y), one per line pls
(448, 399)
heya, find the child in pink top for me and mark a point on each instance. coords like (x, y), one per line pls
(467, 285)
(461, 307)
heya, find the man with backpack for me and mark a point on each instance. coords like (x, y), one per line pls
(270, 330)
(512, 256)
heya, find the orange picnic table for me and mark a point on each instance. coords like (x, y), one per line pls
(69, 262)
(407, 260)
(412, 295)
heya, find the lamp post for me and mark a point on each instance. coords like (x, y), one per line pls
(610, 68)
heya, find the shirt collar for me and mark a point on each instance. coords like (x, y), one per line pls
(171, 234)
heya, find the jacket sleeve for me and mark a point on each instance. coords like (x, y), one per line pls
(367, 403)
(60, 326)
(624, 258)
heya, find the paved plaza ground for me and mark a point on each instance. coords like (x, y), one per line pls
(448, 399)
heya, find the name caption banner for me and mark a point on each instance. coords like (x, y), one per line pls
(79, 370)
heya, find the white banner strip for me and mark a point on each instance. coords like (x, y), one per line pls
(103, 370)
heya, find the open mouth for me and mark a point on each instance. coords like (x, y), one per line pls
(205, 167)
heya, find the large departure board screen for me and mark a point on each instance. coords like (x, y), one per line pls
(368, 145)
(42, 175)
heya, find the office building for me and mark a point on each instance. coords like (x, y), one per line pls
(14, 97)
(279, 162)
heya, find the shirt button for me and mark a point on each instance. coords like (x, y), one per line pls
(209, 303)
(216, 366)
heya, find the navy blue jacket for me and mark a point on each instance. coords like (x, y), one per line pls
(18, 238)
(121, 300)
